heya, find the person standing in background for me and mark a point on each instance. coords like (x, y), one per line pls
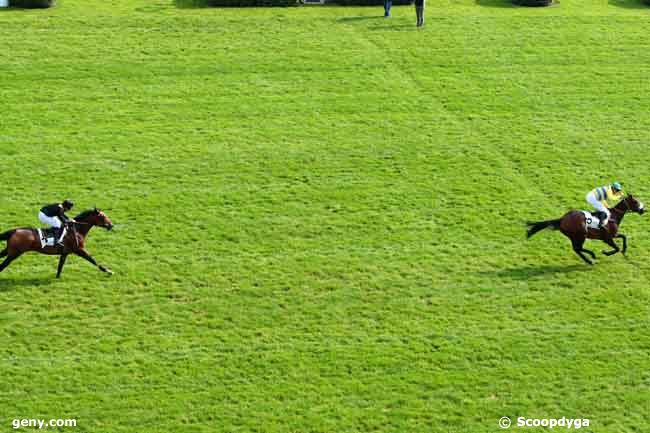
(419, 12)
(387, 6)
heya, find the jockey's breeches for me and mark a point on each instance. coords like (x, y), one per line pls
(592, 200)
(50, 221)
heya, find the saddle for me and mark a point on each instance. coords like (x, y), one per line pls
(593, 219)
(48, 236)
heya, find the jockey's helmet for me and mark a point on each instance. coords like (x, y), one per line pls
(68, 204)
(616, 186)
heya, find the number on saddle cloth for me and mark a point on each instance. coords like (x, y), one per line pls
(600, 215)
(593, 219)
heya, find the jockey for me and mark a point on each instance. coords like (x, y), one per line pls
(54, 215)
(598, 198)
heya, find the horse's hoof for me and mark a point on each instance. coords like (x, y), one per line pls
(109, 272)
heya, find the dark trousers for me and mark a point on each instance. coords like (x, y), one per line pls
(387, 5)
(419, 12)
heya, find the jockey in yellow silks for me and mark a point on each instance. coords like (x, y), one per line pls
(598, 198)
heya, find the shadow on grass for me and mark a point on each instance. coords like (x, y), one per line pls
(397, 28)
(7, 284)
(526, 272)
(496, 3)
(629, 4)
(360, 18)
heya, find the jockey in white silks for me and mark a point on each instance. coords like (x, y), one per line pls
(54, 215)
(598, 198)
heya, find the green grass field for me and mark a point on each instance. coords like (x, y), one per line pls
(319, 216)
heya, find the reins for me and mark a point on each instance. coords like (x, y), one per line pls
(621, 212)
(627, 207)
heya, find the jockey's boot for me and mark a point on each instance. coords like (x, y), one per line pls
(59, 235)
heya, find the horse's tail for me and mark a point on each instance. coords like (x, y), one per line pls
(6, 235)
(534, 227)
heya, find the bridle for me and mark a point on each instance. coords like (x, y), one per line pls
(90, 224)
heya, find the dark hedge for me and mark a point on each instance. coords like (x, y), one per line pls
(286, 3)
(252, 3)
(369, 2)
(533, 3)
(32, 3)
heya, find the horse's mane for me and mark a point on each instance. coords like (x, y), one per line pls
(85, 214)
(621, 201)
(619, 207)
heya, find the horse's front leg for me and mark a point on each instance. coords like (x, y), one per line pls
(61, 263)
(611, 243)
(84, 254)
(577, 247)
(622, 236)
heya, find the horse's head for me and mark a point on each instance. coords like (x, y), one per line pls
(95, 217)
(634, 205)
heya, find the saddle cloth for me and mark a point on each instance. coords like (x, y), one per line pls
(591, 220)
(47, 237)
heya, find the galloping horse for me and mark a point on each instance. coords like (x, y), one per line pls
(574, 226)
(20, 241)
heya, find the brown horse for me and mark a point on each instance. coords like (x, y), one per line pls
(20, 241)
(574, 226)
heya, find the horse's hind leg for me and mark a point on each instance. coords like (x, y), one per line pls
(591, 253)
(577, 247)
(3, 253)
(622, 236)
(8, 260)
(584, 250)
